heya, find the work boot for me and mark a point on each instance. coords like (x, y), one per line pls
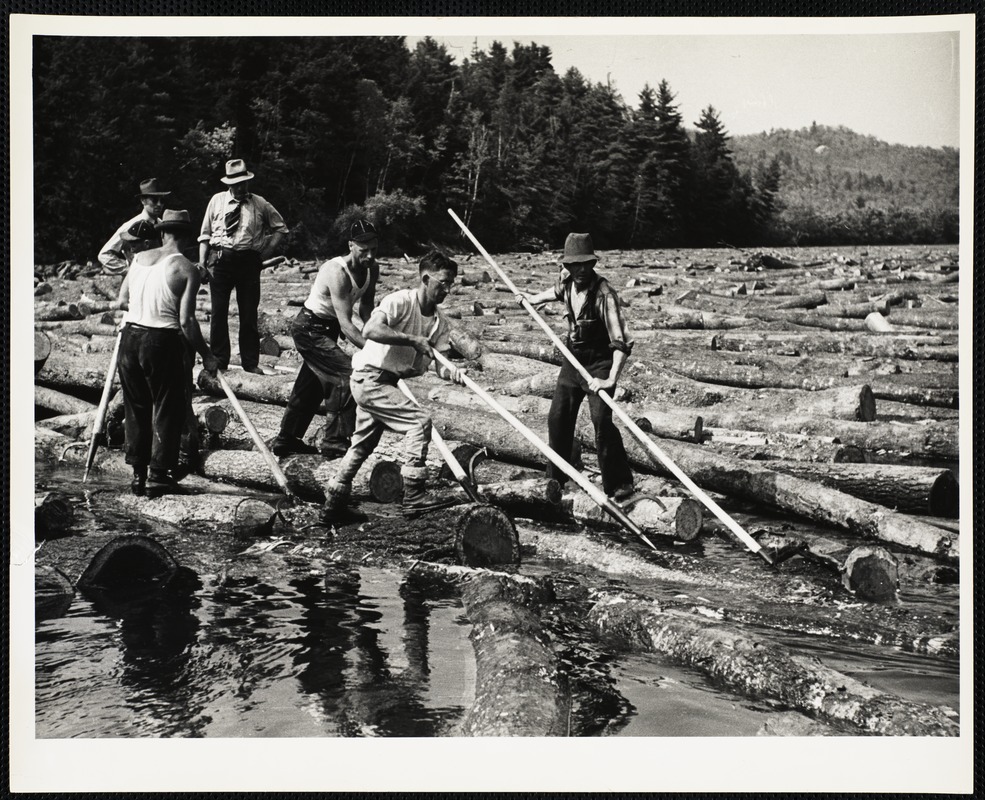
(161, 481)
(286, 446)
(138, 484)
(624, 493)
(336, 500)
(417, 498)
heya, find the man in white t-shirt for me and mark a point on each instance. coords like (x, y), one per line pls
(400, 334)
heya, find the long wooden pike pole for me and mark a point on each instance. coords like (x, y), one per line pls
(278, 473)
(590, 488)
(446, 453)
(645, 440)
(99, 423)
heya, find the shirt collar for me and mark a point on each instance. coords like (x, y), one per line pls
(231, 199)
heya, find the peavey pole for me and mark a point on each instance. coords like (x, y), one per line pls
(645, 440)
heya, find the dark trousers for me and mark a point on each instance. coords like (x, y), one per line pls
(190, 440)
(239, 270)
(152, 375)
(324, 375)
(562, 418)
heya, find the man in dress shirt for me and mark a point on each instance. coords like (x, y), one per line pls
(114, 256)
(240, 231)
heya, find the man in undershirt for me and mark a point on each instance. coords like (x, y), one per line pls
(339, 303)
(597, 338)
(400, 335)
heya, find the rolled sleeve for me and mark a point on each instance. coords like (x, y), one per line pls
(273, 221)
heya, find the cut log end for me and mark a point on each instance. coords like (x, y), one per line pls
(872, 573)
(385, 483)
(866, 404)
(944, 496)
(42, 349)
(486, 536)
(688, 520)
(127, 561)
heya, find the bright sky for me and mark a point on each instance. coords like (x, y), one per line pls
(899, 87)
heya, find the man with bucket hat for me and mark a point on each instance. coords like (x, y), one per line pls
(597, 338)
(343, 285)
(159, 294)
(239, 232)
(115, 256)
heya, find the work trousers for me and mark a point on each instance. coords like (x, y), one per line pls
(569, 392)
(381, 405)
(324, 375)
(239, 270)
(152, 374)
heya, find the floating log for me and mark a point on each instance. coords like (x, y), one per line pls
(59, 402)
(675, 517)
(933, 440)
(53, 593)
(753, 480)
(519, 689)
(42, 349)
(536, 498)
(908, 347)
(53, 514)
(917, 490)
(223, 511)
(760, 670)
(870, 572)
(853, 402)
(73, 371)
(472, 534)
(127, 562)
(75, 426)
(378, 478)
(527, 349)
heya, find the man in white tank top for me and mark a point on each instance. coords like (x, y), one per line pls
(400, 334)
(159, 293)
(339, 304)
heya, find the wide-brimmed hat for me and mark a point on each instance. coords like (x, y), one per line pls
(578, 248)
(141, 231)
(236, 172)
(150, 188)
(362, 231)
(174, 221)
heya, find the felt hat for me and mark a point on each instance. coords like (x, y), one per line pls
(362, 231)
(578, 248)
(141, 231)
(178, 221)
(149, 187)
(236, 172)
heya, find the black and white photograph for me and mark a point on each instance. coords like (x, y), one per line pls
(492, 404)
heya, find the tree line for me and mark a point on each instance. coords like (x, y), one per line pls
(335, 127)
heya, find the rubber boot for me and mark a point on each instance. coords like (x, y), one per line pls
(416, 498)
(139, 482)
(336, 500)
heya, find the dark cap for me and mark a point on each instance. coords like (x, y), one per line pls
(141, 231)
(362, 231)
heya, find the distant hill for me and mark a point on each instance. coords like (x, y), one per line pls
(833, 172)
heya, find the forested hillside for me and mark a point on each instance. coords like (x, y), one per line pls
(335, 127)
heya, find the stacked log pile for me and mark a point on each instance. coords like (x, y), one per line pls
(820, 391)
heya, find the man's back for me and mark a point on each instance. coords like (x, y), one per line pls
(156, 282)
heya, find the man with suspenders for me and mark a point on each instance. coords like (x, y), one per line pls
(597, 338)
(159, 293)
(340, 302)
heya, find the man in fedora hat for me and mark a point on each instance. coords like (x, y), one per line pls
(115, 256)
(597, 338)
(343, 285)
(239, 232)
(159, 294)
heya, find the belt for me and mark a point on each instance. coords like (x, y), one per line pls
(151, 328)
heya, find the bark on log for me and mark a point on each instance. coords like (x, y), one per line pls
(534, 498)
(221, 511)
(465, 343)
(74, 371)
(768, 447)
(921, 318)
(60, 402)
(760, 670)
(76, 426)
(755, 481)
(378, 478)
(53, 514)
(105, 325)
(526, 349)
(247, 386)
(934, 440)
(519, 689)
(674, 517)
(931, 348)
(770, 600)
(916, 490)
(42, 349)
(472, 534)
(53, 593)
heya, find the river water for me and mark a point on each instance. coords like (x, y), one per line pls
(252, 644)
